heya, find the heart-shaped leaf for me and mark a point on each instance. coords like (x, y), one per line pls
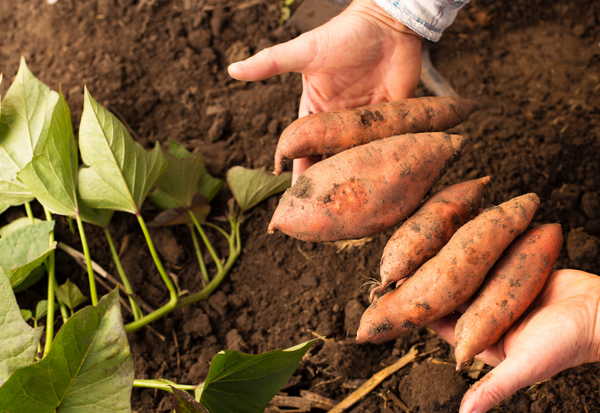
(118, 172)
(41, 309)
(26, 112)
(209, 186)
(24, 249)
(26, 314)
(184, 403)
(51, 176)
(181, 215)
(19, 340)
(246, 383)
(70, 295)
(88, 369)
(181, 177)
(251, 186)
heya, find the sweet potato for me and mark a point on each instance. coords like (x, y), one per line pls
(366, 189)
(508, 290)
(329, 133)
(425, 232)
(449, 279)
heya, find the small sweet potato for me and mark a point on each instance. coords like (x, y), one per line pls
(508, 290)
(425, 232)
(328, 133)
(450, 278)
(364, 190)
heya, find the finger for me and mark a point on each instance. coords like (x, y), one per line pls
(513, 373)
(292, 56)
(302, 164)
(444, 327)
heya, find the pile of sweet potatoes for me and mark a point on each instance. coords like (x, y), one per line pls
(380, 163)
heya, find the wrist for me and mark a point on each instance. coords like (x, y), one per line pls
(371, 9)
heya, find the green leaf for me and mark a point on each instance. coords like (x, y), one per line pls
(51, 176)
(118, 172)
(245, 383)
(41, 309)
(251, 186)
(26, 113)
(184, 403)
(70, 295)
(25, 249)
(88, 369)
(26, 314)
(19, 340)
(16, 224)
(181, 177)
(181, 216)
(33, 277)
(98, 217)
(209, 186)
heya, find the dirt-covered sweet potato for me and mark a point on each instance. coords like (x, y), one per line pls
(364, 190)
(426, 231)
(328, 133)
(450, 278)
(508, 290)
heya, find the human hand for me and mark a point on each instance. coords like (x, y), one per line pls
(363, 56)
(561, 330)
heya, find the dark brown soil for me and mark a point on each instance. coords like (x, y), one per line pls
(161, 66)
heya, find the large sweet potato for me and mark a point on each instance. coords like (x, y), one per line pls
(426, 231)
(328, 133)
(449, 279)
(508, 290)
(366, 189)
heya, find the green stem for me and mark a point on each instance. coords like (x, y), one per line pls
(135, 308)
(161, 385)
(209, 246)
(199, 256)
(173, 295)
(29, 212)
(50, 268)
(88, 261)
(235, 249)
(218, 228)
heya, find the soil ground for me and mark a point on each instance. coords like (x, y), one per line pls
(161, 66)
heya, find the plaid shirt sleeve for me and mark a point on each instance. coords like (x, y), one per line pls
(428, 18)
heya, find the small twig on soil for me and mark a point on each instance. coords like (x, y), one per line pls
(374, 381)
(234, 5)
(398, 402)
(305, 255)
(176, 348)
(297, 403)
(80, 259)
(317, 401)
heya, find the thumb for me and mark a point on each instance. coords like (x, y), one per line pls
(292, 56)
(509, 376)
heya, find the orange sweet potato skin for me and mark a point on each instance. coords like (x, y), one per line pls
(329, 133)
(508, 290)
(367, 189)
(449, 279)
(425, 232)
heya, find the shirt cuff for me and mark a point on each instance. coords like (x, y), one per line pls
(427, 18)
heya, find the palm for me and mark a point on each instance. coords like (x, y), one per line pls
(556, 334)
(356, 61)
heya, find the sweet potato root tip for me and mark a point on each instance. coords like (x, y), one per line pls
(425, 232)
(329, 133)
(509, 289)
(366, 189)
(451, 277)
